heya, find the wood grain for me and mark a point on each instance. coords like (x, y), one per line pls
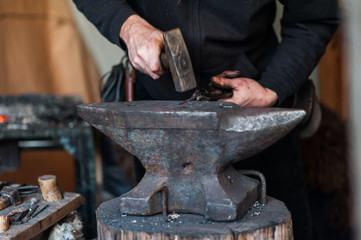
(51, 215)
(274, 222)
(4, 223)
(42, 51)
(49, 188)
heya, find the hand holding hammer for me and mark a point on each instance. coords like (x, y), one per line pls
(146, 46)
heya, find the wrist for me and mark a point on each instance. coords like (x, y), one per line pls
(130, 26)
(271, 98)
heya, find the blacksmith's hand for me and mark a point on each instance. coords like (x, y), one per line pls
(144, 43)
(246, 92)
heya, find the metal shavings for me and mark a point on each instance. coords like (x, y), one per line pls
(172, 217)
(257, 209)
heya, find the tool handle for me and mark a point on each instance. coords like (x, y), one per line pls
(164, 61)
(4, 223)
(4, 202)
(129, 85)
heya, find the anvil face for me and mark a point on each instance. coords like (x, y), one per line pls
(187, 151)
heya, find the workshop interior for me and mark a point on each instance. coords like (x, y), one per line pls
(84, 156)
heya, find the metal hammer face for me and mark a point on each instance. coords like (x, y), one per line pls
(179, 61)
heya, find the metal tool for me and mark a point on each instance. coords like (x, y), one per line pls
(39, 211)
(188, 150)
(26, 214)
(27, 189)
(9, 196)
(206, 94)
(17, 215)
(176, 58)
(29, 214)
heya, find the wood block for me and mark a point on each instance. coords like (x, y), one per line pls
(4, 223)
(49, 188)
(273, 222)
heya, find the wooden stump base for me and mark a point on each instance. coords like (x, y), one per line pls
(271, 222)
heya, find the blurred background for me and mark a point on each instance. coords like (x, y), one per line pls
(48, 47)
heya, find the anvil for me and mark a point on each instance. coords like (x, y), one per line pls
(188, 151)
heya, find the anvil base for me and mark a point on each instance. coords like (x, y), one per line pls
(225, 196)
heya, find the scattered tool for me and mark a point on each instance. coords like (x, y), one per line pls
(38, 212)
(20, 216)
(17, 215)
(22, 189)
(176, 58)
(210, 93)
(28, 189)
(27, 214)
(31, 212)
(9, 196)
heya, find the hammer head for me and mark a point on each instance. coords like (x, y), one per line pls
(9, 196)
(179, 61)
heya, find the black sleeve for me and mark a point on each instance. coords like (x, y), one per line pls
(307, 27)
(107, 15)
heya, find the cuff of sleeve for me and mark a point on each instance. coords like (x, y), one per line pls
(277, 87)
(117, 23)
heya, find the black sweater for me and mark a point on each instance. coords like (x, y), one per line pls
(230, 35)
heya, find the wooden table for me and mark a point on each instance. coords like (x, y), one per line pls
(45, 219)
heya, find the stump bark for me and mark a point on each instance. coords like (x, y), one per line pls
(270, 222)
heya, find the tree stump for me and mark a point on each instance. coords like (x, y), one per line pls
(270, 222)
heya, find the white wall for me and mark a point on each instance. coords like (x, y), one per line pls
(105, 54)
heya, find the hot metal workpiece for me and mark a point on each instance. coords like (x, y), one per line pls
(188, 151)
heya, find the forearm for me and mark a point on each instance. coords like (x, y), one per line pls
(107, 15)
(305, 34)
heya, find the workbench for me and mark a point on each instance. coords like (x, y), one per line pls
(78, 141)
(45, 219)
(50, 122)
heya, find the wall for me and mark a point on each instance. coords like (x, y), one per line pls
(104, 52)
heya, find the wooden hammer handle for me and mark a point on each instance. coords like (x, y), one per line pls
(4, 202)
(4, 223)
(164, 61)
(129, 85)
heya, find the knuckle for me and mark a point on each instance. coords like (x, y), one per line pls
(137, 61)
(141, 51)
(155, 68)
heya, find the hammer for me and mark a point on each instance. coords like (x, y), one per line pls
(9, 196)
(176, 58)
